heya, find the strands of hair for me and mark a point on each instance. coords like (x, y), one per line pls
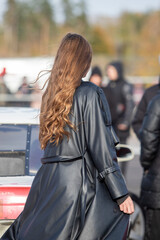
(72, 62)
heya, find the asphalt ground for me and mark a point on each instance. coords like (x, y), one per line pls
(134, 170)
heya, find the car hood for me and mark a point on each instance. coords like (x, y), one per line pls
(16, 181)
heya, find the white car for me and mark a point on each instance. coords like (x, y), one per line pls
(20, 156)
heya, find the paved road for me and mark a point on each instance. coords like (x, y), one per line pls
(134, 169)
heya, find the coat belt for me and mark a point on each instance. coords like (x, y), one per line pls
(58, 158)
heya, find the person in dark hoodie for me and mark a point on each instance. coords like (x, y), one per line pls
(119, 94)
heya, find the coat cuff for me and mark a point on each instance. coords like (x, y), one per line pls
(122, 199)
(114, 181)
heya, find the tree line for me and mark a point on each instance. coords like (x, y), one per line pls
(30, 28)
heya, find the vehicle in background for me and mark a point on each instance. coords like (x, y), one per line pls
(20, 155)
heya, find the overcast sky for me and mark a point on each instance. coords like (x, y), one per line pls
(115, 7)
(110, 8)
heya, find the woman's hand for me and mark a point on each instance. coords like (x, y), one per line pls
(127, 206)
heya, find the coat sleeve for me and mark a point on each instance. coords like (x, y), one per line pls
(150, 134)
(129, 104)
(101, 144)
(139, 116)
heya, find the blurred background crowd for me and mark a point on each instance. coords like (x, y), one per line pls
(30, 29)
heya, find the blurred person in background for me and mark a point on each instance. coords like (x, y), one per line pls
(24, 88)
(142, 107)
(3, 72)
(24, 93)
(3, 88)
(36, 96)
(150, 161)
(96, 76)
(138, 92)
(119, 94)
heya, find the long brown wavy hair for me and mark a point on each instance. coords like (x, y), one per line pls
(71, 64)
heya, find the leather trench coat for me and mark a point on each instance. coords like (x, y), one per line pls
(73, 194)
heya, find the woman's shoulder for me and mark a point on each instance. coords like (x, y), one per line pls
(88, 90)
(90, 94)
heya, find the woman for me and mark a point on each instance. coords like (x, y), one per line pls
(74, 193)
(150, 161)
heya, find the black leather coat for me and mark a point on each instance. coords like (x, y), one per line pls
(142, 108)
(73, 194)
(150, 155)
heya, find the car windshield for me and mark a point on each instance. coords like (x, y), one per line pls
(20, 151)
